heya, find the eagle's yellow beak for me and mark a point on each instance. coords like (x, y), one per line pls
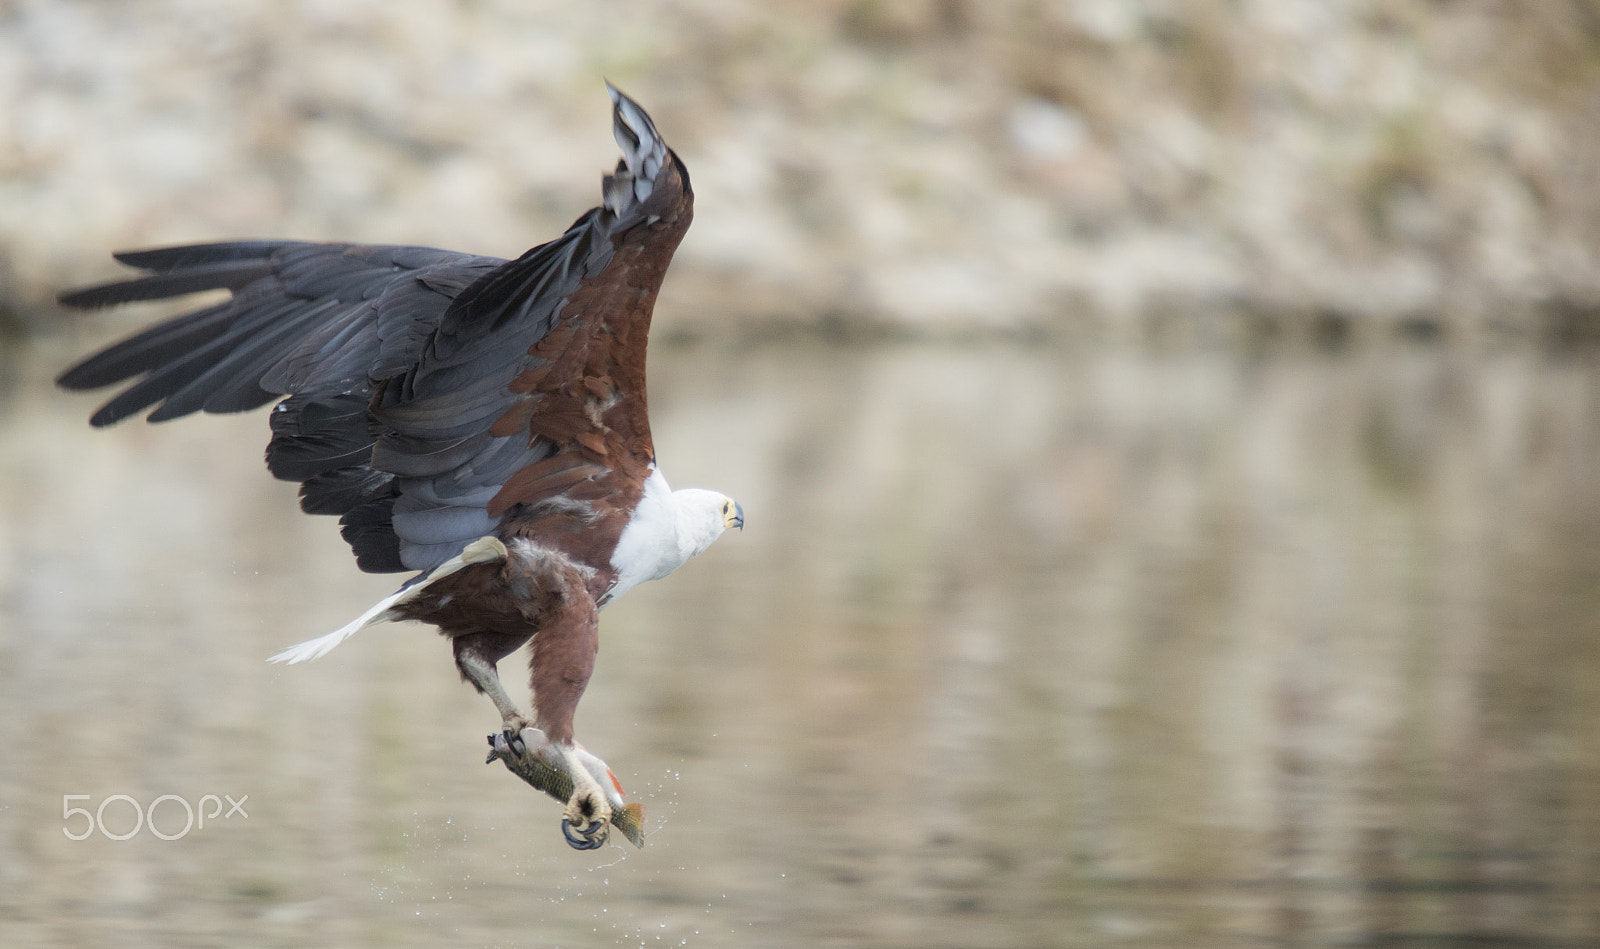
(732, 515)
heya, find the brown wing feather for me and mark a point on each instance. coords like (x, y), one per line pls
(583, 394)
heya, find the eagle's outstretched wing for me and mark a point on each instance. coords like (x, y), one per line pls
(423, 385)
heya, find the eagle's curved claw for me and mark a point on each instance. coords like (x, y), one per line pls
(513, 727)
(591, 839)
(588, 816)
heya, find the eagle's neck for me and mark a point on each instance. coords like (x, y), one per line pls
(660, 537)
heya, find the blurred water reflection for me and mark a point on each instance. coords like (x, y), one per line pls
(1095, 645)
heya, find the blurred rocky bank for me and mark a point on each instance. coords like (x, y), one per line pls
(921, 166)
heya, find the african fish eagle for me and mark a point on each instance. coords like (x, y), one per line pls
(478, 420)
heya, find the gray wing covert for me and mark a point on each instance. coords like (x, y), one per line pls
(434, 419)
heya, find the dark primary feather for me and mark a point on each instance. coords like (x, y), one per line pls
(154, 347)
(164, 259)
(344, 489)
(315, 435)
(229, 275)
(370, 534)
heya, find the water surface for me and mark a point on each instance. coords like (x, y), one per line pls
(1087, 645)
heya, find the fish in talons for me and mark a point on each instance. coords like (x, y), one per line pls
(591, 811)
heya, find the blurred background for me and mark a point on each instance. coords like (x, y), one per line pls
(1167, 430)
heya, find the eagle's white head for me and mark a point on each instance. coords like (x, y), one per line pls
(702, 517)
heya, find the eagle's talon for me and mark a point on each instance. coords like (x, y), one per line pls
(513, 728)
(590, 839)
(587, 817)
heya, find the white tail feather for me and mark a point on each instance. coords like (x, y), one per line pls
(322, 645)
(482, 550)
